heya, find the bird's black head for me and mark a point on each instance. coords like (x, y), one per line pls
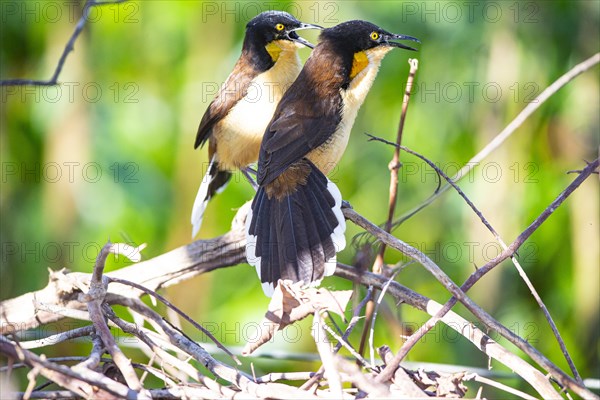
(355, 36)
(271, 26)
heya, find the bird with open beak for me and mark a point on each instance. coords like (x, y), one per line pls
(235, 121)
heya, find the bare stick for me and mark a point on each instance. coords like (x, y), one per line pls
(59, 337)
(355, 318)
(455, 322)
(178, 311)
(81, 382)
(509, 252)
(372, 328)
(327, 357)
(516, 263)
(512, 126)
(498, 385)
(94, 298)
(68, 48)
(95, 355)
(394, 165)
(348, 347)
(479, 313)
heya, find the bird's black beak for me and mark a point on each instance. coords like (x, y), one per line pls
(392, 36)
(293, 36)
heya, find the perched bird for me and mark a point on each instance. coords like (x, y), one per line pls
(296, 226)
(235, 121)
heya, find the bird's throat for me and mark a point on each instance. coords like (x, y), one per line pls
(274, 51)
(359, 63)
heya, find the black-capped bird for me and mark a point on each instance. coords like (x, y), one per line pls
(296, 226)
(235, 121)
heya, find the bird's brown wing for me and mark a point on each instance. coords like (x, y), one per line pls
(302, 122)
(232, 91)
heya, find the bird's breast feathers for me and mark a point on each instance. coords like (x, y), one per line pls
(364, 70)
(245, 124)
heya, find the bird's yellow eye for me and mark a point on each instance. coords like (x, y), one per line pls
(374, 35)
(279, 27)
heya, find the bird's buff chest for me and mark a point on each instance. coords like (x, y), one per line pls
(248, 119)
(364, 70)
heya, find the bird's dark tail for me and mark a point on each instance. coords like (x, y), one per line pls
(296, 237)
(214, 182)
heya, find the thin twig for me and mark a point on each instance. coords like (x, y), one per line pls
(496, 235)
(348, 347)
(509, 252)
(355, 318)
(394, 165)
(510, 128)
(498, 385)
(327, 357)
(178, 311)
(479, 313)
(372, 328)
(94, 298)
(59, 337)
(455, 322)
(31, 380)
(68, 48)
(95, 355)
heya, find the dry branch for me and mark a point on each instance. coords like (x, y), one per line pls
(394, 166)
(511, 128)
(68, 48)
(163, 270)
(423, 330)
(23, 312)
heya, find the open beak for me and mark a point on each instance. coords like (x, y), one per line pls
(392, 36)
(293, 36)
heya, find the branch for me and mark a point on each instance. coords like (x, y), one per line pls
(94, 298)
(511, 128)
(22, 313)
(86, 383)
(228, 250)
(419, 334)
(173, 265)
(480, 314)
(453, 321)
(68, 48)
(393, 194)
(395, 163)
(510, 251)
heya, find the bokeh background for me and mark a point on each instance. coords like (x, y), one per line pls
(109, 154)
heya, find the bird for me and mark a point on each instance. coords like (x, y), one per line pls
(295, 225)
(235, 120)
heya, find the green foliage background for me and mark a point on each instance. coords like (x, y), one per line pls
(109, 154)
